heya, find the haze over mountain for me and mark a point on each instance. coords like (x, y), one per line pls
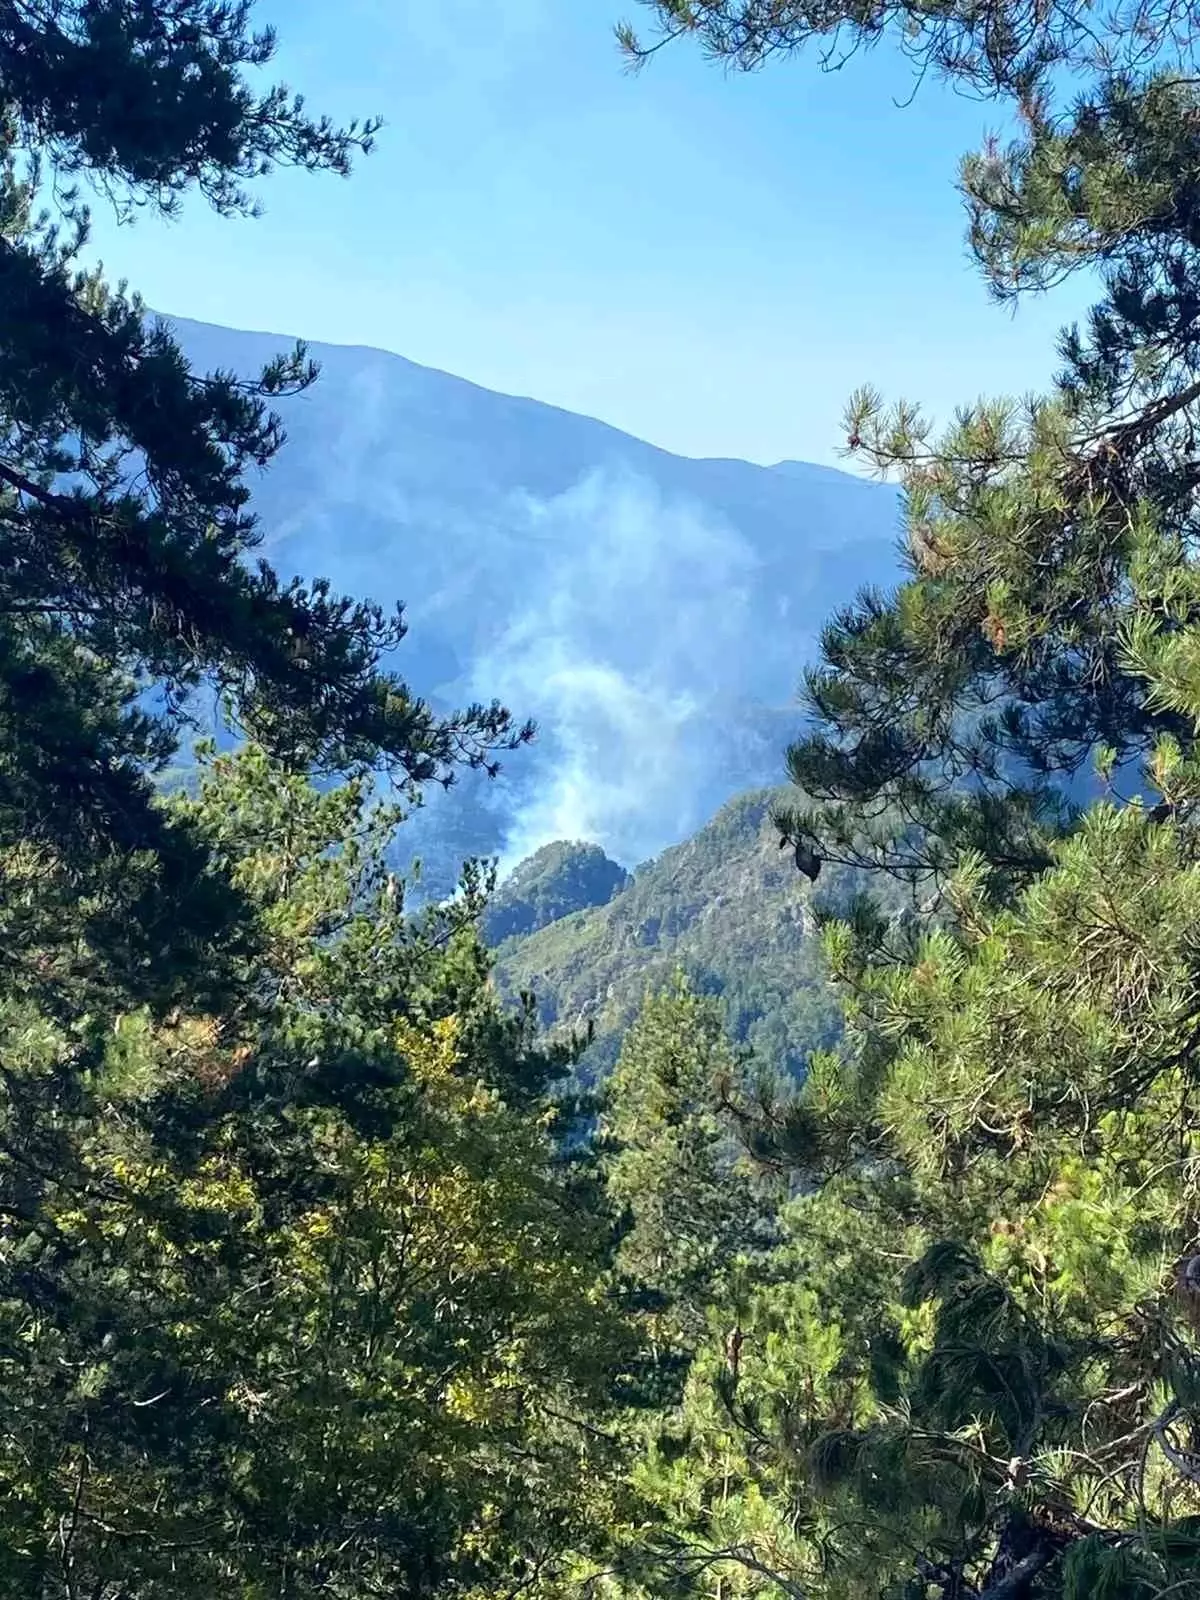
(651, 612)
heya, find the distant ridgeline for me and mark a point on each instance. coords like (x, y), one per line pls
(727, 906)
(532, 549)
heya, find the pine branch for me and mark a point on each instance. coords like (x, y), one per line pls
(44, 497)
(697, 1560)
(1013, 1585)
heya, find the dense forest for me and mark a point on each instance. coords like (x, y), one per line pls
(726, 909)
(325, 1274)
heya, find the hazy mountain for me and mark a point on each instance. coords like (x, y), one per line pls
(653, 613)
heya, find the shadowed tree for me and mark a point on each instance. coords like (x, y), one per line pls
(125, 476)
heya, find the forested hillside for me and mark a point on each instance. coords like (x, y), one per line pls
(560, 878)
(727, 908)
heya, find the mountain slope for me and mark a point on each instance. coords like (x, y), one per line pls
(555, 881)
(728, 907)
(653, 613)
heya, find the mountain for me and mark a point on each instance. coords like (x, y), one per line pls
(652, 612)
(728, 907)
(560, 878)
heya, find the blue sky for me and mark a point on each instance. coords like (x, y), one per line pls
(710, 261)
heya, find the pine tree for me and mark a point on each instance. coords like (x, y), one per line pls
(675, 1168)
(298, 1298)
(972, 1370)
(1045, 617)
(297, 1294)
(124, 520)
(998, 47)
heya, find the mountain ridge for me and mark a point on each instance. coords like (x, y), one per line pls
(726, 907)
(651, 612)
(280, 340)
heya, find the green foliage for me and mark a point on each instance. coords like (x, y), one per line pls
(124, 527)
(302, 1262)
(75, 72)
(311, 1283)
(301, 1288)
(1050, 588)
(552, 883)
(969, 1367)
(675, 1168)
(990, 49)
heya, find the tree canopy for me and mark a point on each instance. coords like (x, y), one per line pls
(982, 47)
(296, 1296)
(294, 1276)
(969, 1370)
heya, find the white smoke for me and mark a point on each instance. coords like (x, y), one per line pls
(635, 627)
